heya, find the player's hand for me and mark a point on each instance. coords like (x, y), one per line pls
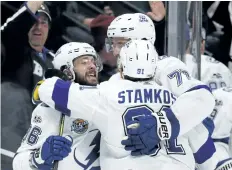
(54, 148)
(145, 132)
(142, 136)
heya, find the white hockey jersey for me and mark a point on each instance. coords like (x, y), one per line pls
(110, 106)
(222, 117)
(44, 123)
(214, 73)
(192, 94)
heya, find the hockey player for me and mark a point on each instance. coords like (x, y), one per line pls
(79, 151)
(135, 97)
(214, 73)
(170, 73)
(222, 117)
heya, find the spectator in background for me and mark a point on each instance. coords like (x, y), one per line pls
(106, 9)
(99, 27)
(26, 59)
(156, 12)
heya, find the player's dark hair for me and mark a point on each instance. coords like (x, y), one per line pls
(136, 79)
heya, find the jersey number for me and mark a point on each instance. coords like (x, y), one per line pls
(33, 136)
(216, 85)
(130, 114)
(140, 71)
(178, 75)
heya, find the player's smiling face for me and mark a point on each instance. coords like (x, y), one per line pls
(85, 70)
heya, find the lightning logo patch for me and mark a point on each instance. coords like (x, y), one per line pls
(93, 155)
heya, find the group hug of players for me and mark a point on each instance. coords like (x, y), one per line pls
(152, 114)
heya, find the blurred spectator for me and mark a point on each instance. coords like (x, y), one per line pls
(106, 9)
(24, 36)
(156, 12)
(99, 31)
(25, 61)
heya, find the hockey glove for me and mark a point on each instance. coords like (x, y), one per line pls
(146, 132)
(54, 148)
(225, 164)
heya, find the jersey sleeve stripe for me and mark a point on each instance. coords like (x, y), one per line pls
(209, 124)
(200, 87)
(205, 152)
(60, 96)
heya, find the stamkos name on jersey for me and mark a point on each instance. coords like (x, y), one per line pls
(146, 96)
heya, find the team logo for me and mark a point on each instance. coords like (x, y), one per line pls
(218, 102)
(142, 18)
(217, 75)
(79, 126)
(37, 119)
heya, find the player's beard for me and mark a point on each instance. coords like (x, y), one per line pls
(82, 80)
